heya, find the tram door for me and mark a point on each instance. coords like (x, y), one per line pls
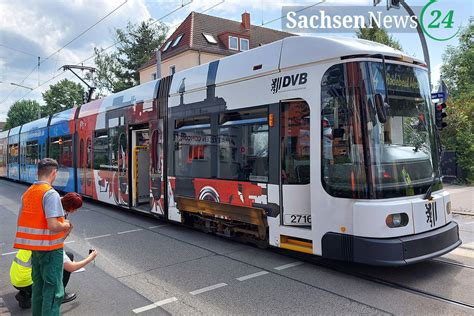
(156, 168)
(295, 163)
(85, 164)
(140, 168)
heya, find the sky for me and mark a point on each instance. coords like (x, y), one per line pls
(64, 32)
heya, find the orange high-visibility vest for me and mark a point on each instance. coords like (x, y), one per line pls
(32, 229)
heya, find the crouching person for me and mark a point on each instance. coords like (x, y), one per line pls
(20, 275)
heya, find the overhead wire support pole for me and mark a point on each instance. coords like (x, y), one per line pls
(424, 45)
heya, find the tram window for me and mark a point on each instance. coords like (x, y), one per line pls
(156, 147)
(100, 149)
(192, 147)
(31, 154)
(295, 142)
(60, 149)
(89, 153)
(13, 153)
(243, 145)
(342, 160)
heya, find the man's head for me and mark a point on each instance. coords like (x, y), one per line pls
(47, 170)
(71, 202)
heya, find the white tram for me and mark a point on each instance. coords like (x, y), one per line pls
(322, 145)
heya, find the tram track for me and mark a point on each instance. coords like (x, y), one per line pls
(453, 263)
(339, 267)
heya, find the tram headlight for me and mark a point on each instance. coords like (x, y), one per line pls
(448, 207)
(397, 220)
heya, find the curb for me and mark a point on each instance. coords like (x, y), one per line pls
(3, 308)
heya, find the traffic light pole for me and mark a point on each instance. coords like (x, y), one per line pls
(424, 46)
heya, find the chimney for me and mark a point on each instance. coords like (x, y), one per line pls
(246, 20)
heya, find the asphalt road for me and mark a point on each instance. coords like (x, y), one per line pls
(149, 267)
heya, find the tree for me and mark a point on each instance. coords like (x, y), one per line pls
(137, 43)
(22, 112)
(63, 95)
(458, 73)
(376, 34)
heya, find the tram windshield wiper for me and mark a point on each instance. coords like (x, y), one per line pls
(427, 195)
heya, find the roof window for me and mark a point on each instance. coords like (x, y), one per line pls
(167, 45)
(176, 41)
(209, 38)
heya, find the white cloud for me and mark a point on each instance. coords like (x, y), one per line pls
(43, 27)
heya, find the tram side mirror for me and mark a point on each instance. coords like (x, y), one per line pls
(380, 108)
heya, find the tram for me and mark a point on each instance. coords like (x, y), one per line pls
(321, 145)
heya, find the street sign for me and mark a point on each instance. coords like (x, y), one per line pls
(438, 95)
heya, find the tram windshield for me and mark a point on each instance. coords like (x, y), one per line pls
(378, 149)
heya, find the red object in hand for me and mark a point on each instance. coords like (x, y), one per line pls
(71, 201)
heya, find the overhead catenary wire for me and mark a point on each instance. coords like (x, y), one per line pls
(90, 57)
(64, 46)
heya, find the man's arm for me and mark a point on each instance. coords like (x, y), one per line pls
(71, 266)
(56, 226)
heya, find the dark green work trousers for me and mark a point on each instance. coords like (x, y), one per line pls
(47, 274)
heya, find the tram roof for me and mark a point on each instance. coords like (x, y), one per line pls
(41, 123)
(63, 116)
(4, 134)
(138, 94)
(15, 131)
(297, 50)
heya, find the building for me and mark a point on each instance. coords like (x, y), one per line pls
(203, 38)
(2, 125)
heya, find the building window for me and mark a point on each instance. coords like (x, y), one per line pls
(244, 44)
(233, 43)
(209, 38)
(153, 76)
(172, 69)
(176, 41)
(167, 45)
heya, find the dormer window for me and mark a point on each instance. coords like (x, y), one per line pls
(167, 45)
(209, 38)
(244, 44)
(233, 42)
(176, 41)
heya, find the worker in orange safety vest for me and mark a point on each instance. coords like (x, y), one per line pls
(42, 229)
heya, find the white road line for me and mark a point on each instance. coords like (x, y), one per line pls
(129, 231)
(289, 265)
(151, 227)
(69, 242)
(95, 237)
(253, 275)
(206, 289)
(154, 305)
(9, 253)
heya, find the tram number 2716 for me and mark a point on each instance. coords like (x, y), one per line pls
(297, 219)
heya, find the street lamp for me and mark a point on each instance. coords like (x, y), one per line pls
(31, 89)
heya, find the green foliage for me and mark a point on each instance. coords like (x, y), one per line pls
(137, 43)
(458, 73)
(376, 34)
(62, 95)
(22, 112)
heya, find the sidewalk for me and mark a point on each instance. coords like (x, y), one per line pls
(462, 197)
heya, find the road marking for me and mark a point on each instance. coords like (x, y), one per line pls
(95, 237)
(9, 253)
(151, 227)
(209, 288)
(253, 275)
(154, 305)
(289, 265)
(69, 242)
(129, 231)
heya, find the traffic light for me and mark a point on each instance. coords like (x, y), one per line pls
(393, 4)
(440, 114)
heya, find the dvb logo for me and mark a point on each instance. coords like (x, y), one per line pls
(287, 81)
